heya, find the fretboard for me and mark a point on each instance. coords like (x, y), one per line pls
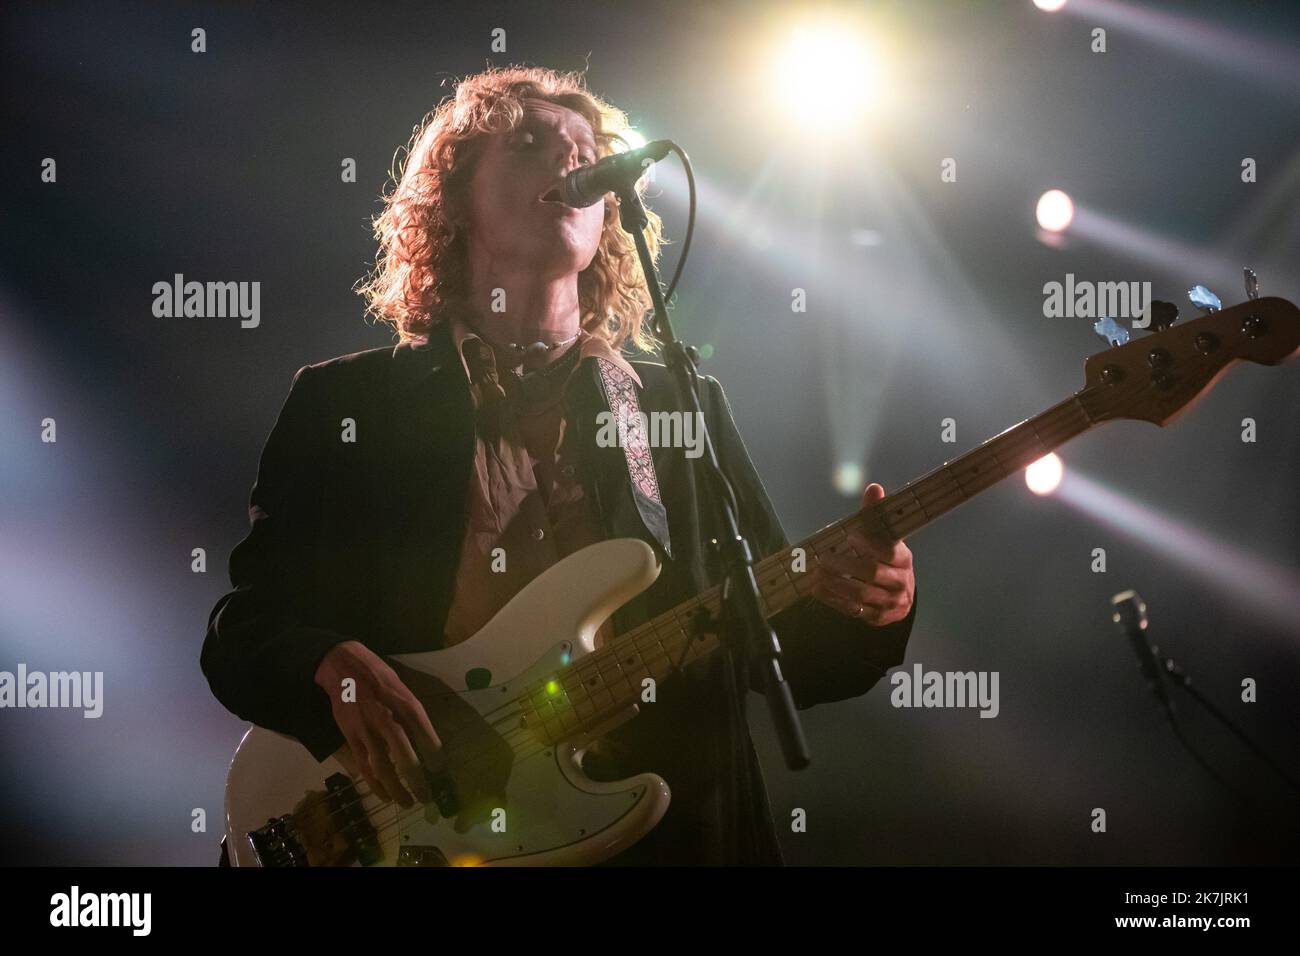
(609, 680)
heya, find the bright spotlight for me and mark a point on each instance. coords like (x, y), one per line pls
(1051, 6)
(633, 138)
(848, 478)
(1044, 475)
(1055, 210)
(824, 76)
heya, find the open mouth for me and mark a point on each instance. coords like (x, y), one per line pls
(553, 195)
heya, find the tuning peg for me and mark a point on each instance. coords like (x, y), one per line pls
(1163, 314)
(1110, 330)
(1252, 283)
(1204, 299)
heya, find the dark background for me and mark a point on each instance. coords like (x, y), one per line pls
(225, 166)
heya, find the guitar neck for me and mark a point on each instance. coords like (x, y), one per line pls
(611, 678)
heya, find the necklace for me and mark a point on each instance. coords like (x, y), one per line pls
(531, 356)
(537, 349)
(537, 390)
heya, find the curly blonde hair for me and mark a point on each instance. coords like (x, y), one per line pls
(421, 269)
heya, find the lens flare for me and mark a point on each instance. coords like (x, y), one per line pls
(633, 138)
(1055, 210)
(848, 478)
(824, 75)
(1044, 475)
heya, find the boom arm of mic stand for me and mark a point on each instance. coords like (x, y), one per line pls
(1181, 678)
(740, 588)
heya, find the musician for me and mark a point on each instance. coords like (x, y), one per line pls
(472, 440)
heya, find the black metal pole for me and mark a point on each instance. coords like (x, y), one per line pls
(745, 631)
(1181, 679)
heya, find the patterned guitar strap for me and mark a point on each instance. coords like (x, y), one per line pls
(620, 395)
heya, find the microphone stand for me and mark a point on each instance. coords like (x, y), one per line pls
(1181, 679)
(1131, 616)
(745, 632)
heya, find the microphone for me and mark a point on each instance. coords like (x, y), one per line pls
(587, 185)
(1131, 615)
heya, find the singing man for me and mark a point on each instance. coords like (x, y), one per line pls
(473, 440)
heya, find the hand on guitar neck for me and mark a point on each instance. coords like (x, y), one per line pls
(872, 579)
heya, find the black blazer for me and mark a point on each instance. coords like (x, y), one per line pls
(361, 541)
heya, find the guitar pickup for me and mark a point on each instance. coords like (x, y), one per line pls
(353, 822)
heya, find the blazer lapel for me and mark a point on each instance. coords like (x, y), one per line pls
(432, 452)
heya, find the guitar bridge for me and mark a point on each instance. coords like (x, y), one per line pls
(325, 829)
(277, 844)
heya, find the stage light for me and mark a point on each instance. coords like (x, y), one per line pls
(1044, 475)
(848, 478)
(633, 138)
(1055, 210)
(1255, 587)
(1051, 6)
(1139, 242)
(824, 76)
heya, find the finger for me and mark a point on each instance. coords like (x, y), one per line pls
(415, 720)
(871, 496)
(362, 755)
(382, 765)
(876, 613)
(866, 569)
(407, 762)
(847, 564)
(874, 492)
(884, 550)
(847, 606)
(852, 595)
(885, 575)
(890, 581)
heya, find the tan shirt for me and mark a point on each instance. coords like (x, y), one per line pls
(525, 496)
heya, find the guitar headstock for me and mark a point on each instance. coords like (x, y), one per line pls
(1159, 377)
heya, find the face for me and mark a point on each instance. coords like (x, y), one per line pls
(509, 219)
